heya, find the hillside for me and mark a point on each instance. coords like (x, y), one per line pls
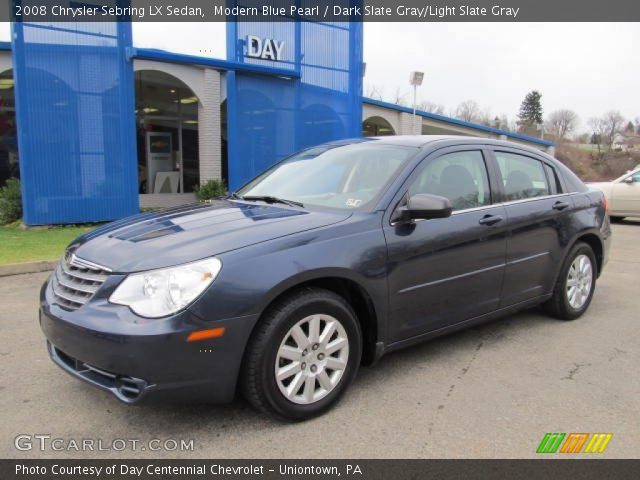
(592, 166)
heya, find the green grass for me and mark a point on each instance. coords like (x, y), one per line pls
(18, 245)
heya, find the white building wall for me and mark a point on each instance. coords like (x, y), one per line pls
(191, 76)
(209, 133)
(453, 129)
(391, 116)
(5, 61)
(410, 124)
(403, 124)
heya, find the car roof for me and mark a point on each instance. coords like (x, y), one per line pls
(408, 140)
(421, 141)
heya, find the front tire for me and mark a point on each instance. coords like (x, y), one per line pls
(615, 219)
(303, 355)
(575, 285)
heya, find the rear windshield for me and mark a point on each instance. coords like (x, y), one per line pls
(571, 180)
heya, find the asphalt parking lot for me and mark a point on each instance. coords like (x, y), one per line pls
(492, 391)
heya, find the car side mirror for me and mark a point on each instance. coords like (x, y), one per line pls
(629, 179)
(424, 206)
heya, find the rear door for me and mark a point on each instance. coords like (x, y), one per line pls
(538, 215)
(446, 270)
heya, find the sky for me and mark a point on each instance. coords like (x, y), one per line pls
(590, 68)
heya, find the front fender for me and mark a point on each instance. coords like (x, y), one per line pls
(317, 274)
(252, 278)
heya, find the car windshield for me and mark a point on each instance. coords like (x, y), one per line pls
(347, 177)
(630, 173)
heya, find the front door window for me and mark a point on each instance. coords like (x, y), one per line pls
(461, 177)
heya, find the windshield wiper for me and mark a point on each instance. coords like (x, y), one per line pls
(269, 199)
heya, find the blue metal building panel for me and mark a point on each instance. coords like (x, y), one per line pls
(75, 108)
(270, 118)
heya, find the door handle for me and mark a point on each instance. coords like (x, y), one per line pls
(560, 205)
(490, 220)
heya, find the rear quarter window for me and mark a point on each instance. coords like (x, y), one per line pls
(571, 181)
(555, 187)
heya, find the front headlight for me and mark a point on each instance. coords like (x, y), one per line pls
(158, 293)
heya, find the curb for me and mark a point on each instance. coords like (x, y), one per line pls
(28, 267)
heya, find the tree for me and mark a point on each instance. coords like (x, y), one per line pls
(484, 118)
(431, 107)
(469, 111)
(598, 128)
(583, 138)
(630, 127)
(530, 115)
(562, 122)
(374, 92)
(612, 124)
(502, 122)
(399, 97)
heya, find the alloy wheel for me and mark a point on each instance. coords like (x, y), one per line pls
(579, 281)
(312, 359)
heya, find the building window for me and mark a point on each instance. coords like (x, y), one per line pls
(9, 166)
(167, 134)
(376, 127)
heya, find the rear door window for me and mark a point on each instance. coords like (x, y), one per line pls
(522, 177)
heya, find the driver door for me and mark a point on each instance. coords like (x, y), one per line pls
(446, 270)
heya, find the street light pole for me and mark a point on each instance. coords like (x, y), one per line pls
(413, 118)
(415, 79)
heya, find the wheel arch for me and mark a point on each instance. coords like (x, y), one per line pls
(594, 241)
(352, 290)
(591, 238)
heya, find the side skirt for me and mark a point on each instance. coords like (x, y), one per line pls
(461, 325)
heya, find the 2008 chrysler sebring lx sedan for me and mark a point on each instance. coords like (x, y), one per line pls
(324, 262)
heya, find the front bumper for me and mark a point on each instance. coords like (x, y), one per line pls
(132, 357)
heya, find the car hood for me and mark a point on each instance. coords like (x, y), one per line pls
(192, 232)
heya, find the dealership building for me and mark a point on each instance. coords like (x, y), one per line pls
(97, 127)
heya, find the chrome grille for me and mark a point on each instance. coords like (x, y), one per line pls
(75, 281)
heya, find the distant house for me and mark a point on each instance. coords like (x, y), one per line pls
(626, 141)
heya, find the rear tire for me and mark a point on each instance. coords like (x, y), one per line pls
(302, 356)
(575, 285)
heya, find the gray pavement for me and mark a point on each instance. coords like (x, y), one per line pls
(492, 391)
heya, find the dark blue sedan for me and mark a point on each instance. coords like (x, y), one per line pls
(326, 261)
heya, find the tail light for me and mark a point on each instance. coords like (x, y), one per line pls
(605, 203)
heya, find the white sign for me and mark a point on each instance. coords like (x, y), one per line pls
(264, 48)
